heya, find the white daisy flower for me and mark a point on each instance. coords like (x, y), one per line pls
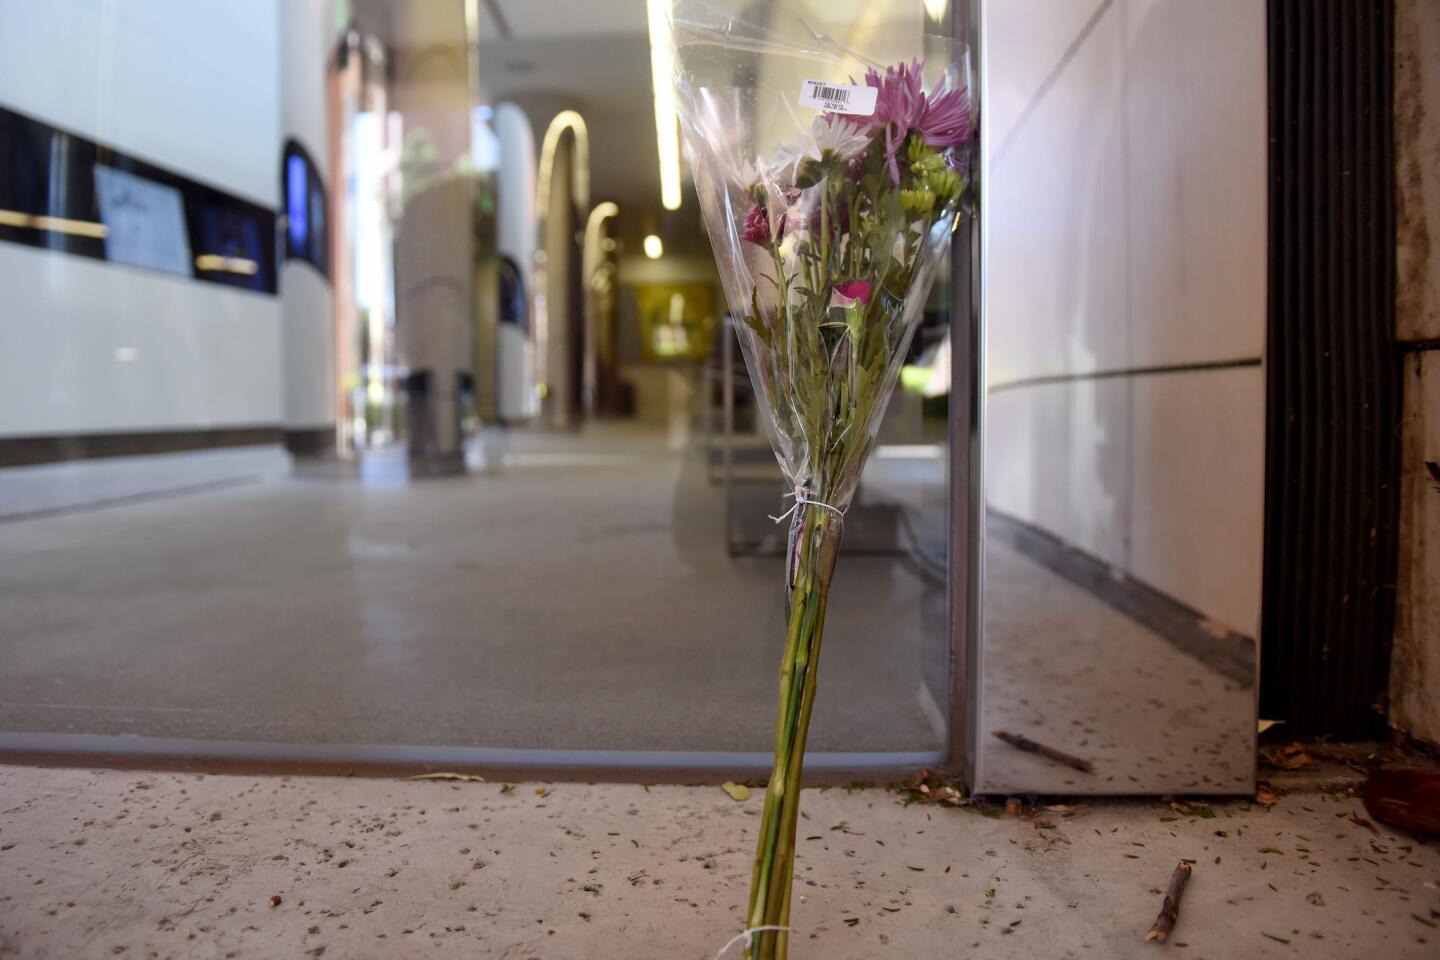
(836, 136)
(830, 139)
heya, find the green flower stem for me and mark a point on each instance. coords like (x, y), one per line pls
(815, 540)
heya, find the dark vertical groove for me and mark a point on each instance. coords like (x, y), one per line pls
(1332, 376)
(1389, 391)
(1347, 301)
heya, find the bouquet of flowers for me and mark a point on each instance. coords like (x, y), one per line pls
(830, 202)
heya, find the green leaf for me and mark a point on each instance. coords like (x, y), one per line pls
(758, 327)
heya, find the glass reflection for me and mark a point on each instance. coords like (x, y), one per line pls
(415, 420)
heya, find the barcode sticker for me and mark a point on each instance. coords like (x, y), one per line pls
(858, 101)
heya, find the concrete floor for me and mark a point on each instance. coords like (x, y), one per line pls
(107, 864)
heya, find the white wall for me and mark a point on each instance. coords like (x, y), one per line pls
(189, 85)
(517, 238)
(91, 347)
(192, 85)
(307, 39)
(1126, 230)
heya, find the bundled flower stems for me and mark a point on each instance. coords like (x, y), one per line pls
(828, 241)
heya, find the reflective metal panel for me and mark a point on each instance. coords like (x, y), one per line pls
(1123, 396)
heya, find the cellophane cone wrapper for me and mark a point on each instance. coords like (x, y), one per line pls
(830, 180)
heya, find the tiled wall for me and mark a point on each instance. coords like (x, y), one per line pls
(1126, 238)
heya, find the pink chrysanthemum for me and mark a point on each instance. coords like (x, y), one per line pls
(902, 106)
(901, 96)
(945, 121)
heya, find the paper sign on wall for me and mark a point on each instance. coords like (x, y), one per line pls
(144, 221)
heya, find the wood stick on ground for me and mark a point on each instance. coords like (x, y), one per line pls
(1060, 756)
(1170, 906)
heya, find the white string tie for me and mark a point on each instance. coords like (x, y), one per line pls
(749, 932)
(799, 499)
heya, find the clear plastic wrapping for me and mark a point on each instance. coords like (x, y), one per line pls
(830, 180)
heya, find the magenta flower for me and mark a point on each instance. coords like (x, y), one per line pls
(942, 119)
(854, 290)
(945, 120)
(757, 226)
(898, 105)
(901, 99)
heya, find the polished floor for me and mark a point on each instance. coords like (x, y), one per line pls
(575, 595)
(1065, 669)
(577, 592)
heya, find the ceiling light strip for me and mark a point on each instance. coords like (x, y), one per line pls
(667, 123)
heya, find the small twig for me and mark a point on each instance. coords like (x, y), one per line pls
(1060, 756)
(1170, 906)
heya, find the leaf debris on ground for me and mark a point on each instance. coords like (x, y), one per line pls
(1289, 756)
(449, 775)
(737, 791)
(928, 787)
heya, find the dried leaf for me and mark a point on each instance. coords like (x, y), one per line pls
(1202, 810)
(542, 791)
(1265, 794)
(1291, 756)
(1267, 724)
(465, 777)
(737, 791)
